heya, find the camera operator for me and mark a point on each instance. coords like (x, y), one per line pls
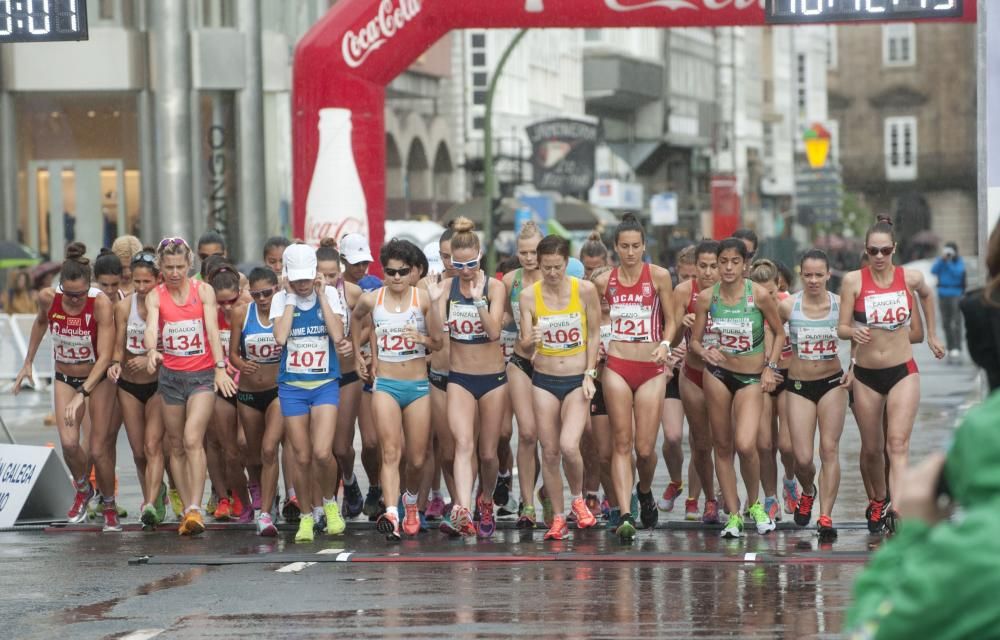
(939, 576)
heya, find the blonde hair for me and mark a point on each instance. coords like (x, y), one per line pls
(594, 247)
(126, 248)
(465, 235)
(764, 271)
(687, 255)
(530, 229)
(173, 247)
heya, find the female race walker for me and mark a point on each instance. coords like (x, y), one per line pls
(400, 398)
(875, 311)
(138, 390)
(519, 372)
(692, 377)
(817, 389)
(635, 376)
(561, 317)
(472, 306)
(81, 320)
(307, 324)
(257, 356)
(739, 309)
(182, 311)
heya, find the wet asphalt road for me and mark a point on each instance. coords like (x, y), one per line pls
(676, 581)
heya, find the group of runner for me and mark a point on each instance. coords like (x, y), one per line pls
(245, 379)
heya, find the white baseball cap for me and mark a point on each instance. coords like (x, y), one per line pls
(354, 249)
(433, 254)
(299, 262)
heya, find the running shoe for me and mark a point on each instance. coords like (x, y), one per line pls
(763, 521)
(435, 507)
(78, 512)
(111, 522)
(423, 522)
(373, 507)
(237, 507)
(176, 505)
(875, 517)
(193, 524)
(447, 527)
(527, 518)
(319, 521)
(558, 530)
(411, 518)
(213, 502)
(461, 519)
(648, 513)
(246, 516)
(670, 495)
(335, 524)
(95, 506)
(711, 513)
(265, 526)
(305, 532)
(890, 519)
(790, 492)
(547, 512)
(605, 508)
(501, 492)
(594, 504)
(388, 524)
(160, 504)
(691, 509)
(291, 511)
(772, 508)
(122, 511)
(254, 489)
(584, 518)
(803, 511)
(734, 526)
(354, 502)
(825, 529)
(614, 518)
(626, 530)
(487, 523)
(149, 518)
(223, 511)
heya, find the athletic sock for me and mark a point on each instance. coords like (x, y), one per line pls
(393, 510)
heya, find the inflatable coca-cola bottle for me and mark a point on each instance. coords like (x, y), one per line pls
(336, 203)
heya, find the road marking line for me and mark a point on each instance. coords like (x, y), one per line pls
(294, 567)
(143, 634)
(344, 557)
(750, 557)
(329, 551)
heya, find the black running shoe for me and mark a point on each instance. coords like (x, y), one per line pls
(354, 502)
(875, 516)
(825, 529)
(501, 493)
(373, 504)
(804, 509)
(648, 513)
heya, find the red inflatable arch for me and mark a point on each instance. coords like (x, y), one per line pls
(344, 63)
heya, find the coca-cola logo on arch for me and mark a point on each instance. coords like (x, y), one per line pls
(391, 17)
(538, 6)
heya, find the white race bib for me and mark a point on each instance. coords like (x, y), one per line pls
(135, 336)
(225, 335)
(710, 338)
(631, 323)
(262, 349)
(394, 346)
(817, 343)
(735, 335)
(562, 332)
(888, 311)
(308, 355)
(507, 340)
(464, 323)
(184, 339)
(73, 349)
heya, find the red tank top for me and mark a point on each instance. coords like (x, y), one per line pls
(879, 308)
(182, 327)
(635, 311)
(74, 337)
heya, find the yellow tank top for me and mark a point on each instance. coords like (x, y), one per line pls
(564, 331)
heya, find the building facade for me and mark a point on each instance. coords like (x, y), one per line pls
(904, 98)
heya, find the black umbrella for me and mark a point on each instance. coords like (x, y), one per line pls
(13, 255)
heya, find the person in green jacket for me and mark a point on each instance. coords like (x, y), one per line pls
(940, 575)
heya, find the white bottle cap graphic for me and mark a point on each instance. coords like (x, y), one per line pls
(534, 6)
(336, 203)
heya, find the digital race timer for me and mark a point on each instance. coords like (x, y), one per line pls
(806, 11)
(42, 20)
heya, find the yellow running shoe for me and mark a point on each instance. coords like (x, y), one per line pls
(305, 532)
(176, 504)
(335, 524)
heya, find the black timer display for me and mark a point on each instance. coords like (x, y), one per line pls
(807, 11)
(42, 20)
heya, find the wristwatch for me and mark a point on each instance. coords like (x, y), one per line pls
(592, 373)
(480, 303)
(773, 366)
(83, 391)
(221, 364)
